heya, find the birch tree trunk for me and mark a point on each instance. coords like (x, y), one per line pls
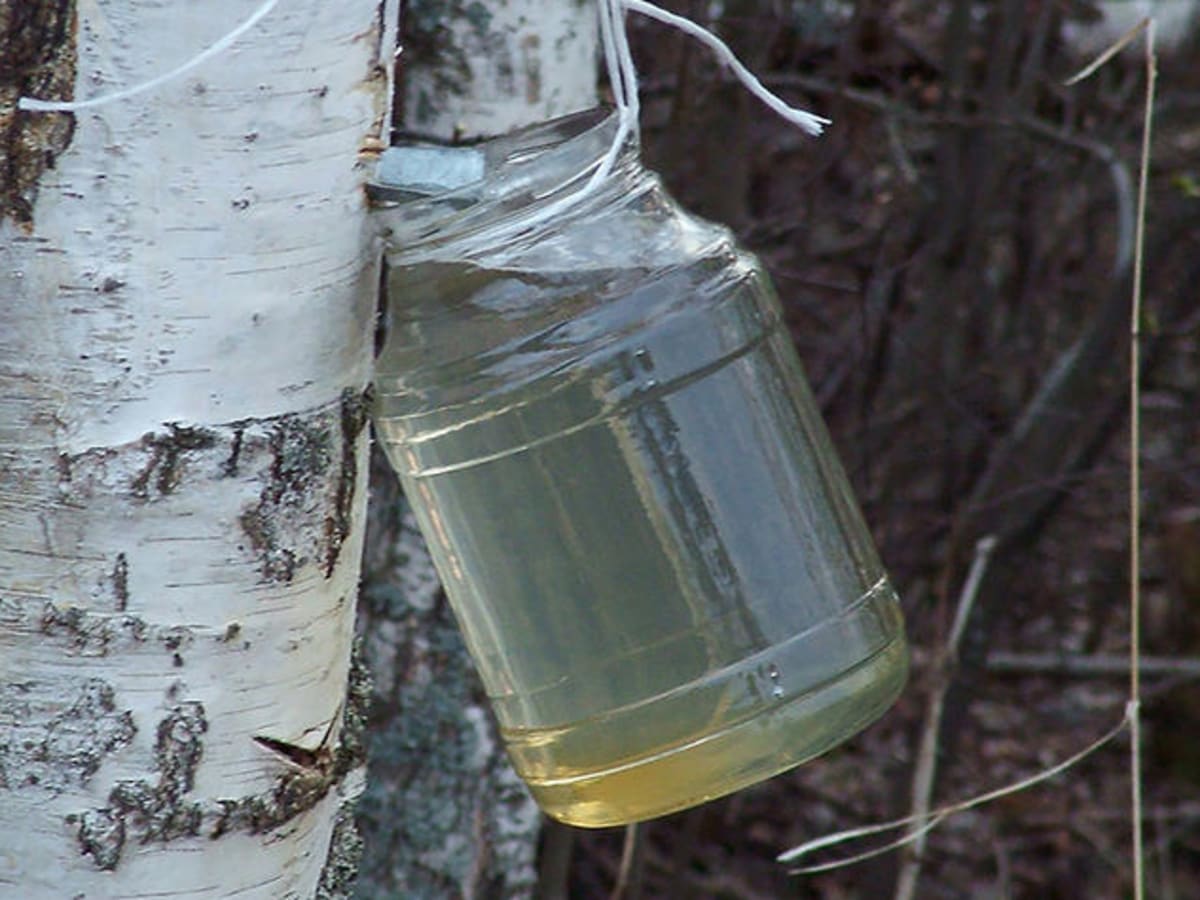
(444, 815)
(186, 305)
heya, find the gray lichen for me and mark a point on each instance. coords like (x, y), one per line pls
(300, 453)
(160, 808)
(345, 852)
(150, 811)
(102, 837)
(304, 510)
(443, 814)
(354, 413)
(52, 750)
(90, 634)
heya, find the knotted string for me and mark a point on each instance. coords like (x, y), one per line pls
(623, 80)
(802, 119)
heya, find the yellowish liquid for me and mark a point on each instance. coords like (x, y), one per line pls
(587, 788)
(642, 528)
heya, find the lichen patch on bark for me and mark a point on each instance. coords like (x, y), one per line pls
(340, 873)
(161, 808)
(304, 510)
(354, 415)
(443, 814)
(54, 750)
(39, 61)
(306, 462)
(84, 633)
(146, 811)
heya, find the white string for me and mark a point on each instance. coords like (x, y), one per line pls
(623, 79)
(930, 819)
(34, 104)
(804, 120)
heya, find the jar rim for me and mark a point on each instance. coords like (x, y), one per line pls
(520, 146)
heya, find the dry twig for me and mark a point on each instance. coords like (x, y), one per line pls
(926, 768)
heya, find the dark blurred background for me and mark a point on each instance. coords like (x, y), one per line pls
(955, 259)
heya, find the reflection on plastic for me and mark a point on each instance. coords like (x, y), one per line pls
(635, 509)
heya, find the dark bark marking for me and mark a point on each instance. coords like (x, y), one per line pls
(64, 468)
(167, 451)
(230, 469)
(91, 635)
(429, 46)
(312, 479)
(37, 59)
(120, 582)
(354, 413)
(300, 455)
(101, 836)
(145, 811)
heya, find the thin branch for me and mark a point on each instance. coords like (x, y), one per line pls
(554, 862)
(896, 112)
(1090, 665)
(926, 768)
(628, 875)
(1135, 512)
(1120, 44)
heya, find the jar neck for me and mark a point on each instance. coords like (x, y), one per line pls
(523, 173)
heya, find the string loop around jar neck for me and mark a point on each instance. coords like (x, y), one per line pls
(546, 196)
(623, 80)
(529, 180)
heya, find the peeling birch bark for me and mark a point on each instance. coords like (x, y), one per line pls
(186, 305)
(444, 815)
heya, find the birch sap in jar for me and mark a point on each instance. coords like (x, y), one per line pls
(635, 509)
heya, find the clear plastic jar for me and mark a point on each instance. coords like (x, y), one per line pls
(635, 509)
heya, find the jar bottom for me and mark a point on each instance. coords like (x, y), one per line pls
(589, 794)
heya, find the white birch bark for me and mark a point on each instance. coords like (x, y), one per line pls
(186, 299)
(444, 815)
(474, 69)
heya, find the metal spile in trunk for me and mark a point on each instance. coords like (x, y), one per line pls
(599, 418)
